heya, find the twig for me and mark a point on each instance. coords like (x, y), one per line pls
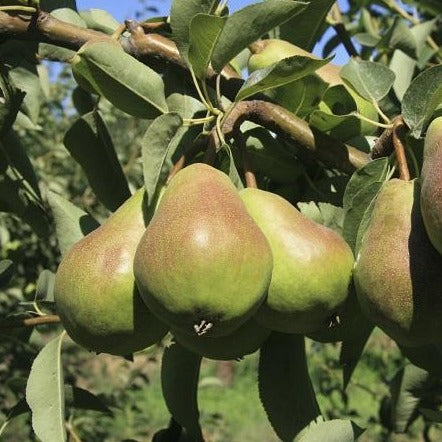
(30, 322)
(399, 149)
(339, 27)
(247, 164)
(383, 146)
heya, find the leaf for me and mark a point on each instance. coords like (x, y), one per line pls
(179, 381)
(45, 286)
(355, 214)
(71, 223)
(432, 415)
(7, 268)
(369, 79)
(336, 430)
(82, 399)
(375, 170)
(181, 14)
(284, 385)
(10, 104)
(99, 20)
(250, 23)
(323, 213)
(399, 36)
(49, 5)
(305, 28)
(89, 142)
(126, 82)
(156, 145)
(204, 33)
(406, 390)
(45, 393)
(233, 171)
(422, 98)
(341, 127)
(278, 74)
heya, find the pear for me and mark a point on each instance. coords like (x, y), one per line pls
(312, 266)
(95, 292)
(245, 340)
(267, 52)
(203, 265)
(398, 275)
(431, 194)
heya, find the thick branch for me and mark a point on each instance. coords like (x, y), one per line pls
(305, 139)
(29, 322)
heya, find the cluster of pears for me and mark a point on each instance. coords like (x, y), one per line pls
(398, 271)
(218, 268)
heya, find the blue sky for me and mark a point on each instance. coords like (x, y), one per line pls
(122, 10)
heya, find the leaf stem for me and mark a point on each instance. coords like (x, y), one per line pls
(198, 90)
(196, 121)
(374, 123)
(380, 112)
(17, 8)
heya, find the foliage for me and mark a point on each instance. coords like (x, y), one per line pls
(128, 107)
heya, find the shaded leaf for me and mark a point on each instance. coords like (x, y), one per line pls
(50, 5)
(157, 142)
(371, 80)
(127, 83)
(7, 268)
(432, 415)
(248, 24)
(399, 36)
(181, 14)
(422, 98)
(204, 33)
(45, 393)
(305, 28)
(284, 384)
(71, 223)
(45, 286)
(179, 381)
(89, 142)
(280, 73)
(324, 213)
(82, 399)
(12, 99)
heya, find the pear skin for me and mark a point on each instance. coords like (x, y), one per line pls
(312, 266)
(431, 178)
(95, 292)
(203, 265)
(243, 341)
(398, 275)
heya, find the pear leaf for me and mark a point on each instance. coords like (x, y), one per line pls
(336, 430)
(250, 23)
(285, 387)
(45, 286)
(45, 393)
(100, 20)
(369, 79)
(71, 223)
(277, 74)
(89, 142)
(204, 33)
(179, 381)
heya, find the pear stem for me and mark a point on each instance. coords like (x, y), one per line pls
(30, 322)
(404, 173)
(249, 175)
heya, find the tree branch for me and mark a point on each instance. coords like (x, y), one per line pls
(29, 322)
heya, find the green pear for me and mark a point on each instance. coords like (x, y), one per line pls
(243, 341)
(267, 52)
(95, 292)
(398, 275)
(312, 266)
(203, 265)
(431, 194)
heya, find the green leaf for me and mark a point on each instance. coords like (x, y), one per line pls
(248, 24)
(181, 14)
(53, 52)
(156, 145)
(370, 80)
(284, 385)
(432, 415)
(126, 82)
(354, 215)
(99, 20)
(342, 127)
(10, 105)
(336, 430)
(422, 98)
(71, 223)
(304, 30)
(45, 393)
(278, 74)
(375, 170)
(406, 390)
(45, 286)
(179, 381)
(7, 268)
(204, 33)
(89, 142)
(324, 213)
(399, 36)
(228, 166)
